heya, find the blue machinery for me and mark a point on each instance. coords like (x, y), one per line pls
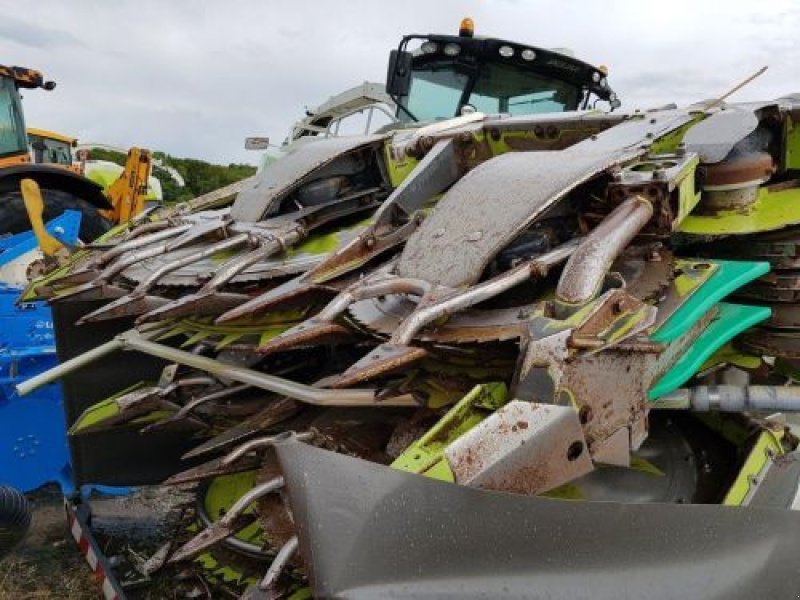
(33, 444)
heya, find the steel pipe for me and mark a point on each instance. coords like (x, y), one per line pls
(282, 559)
(405, 333)
(733, 398)
(585, 270)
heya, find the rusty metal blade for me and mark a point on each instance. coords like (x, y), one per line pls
(208, 537)
(198, 231)
(94, 290)
(383, 360)
(207, 303)
(288, 294)
(213, 468)
(311, 331)
(126, 306)
(280, 410)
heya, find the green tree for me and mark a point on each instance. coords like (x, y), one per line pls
(200, 176)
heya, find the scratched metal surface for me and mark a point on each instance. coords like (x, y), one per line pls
(276, 266)
(494, 202)
(281, 177)
(714, 137)
(368, 531)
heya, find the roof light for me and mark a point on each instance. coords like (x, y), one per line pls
(603, 69)
(596, 76)
(603, 82)
(506, 51)
(466, 28)
(528, 54)
(452, 49)
(429, 47)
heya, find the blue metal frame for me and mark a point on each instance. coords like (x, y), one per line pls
(33, 444)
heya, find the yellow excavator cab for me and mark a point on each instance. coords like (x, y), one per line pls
(51, 148)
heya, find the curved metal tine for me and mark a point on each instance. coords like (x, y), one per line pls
(242, 458)
(322, 325)
(426, 314)
(118, 307)
(437, 171)
(98, 287)
(130, 234)
(195, 402)
(397, 352)
(199, 230)
(263, 442)
(102, 259)
(234, 520)
(282, 558)
(224, 274)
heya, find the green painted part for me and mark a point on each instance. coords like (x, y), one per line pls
(791, 158)
(731, 320)
(400, 168)
(668, 144)
(771, 211)
(729, 276)
(102, 411)
(323, 243)
(223, 492)
(425, 455)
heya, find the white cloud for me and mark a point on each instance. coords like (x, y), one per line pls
(194, 78)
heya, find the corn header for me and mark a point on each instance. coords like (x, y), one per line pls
(509, 289)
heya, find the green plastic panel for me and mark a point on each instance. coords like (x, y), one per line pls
(729, 276)
(731, 320)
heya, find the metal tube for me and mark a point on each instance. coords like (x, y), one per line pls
(270, 487)
(190, 258)
(734, 398)
(236, 265)
(585, 270)
(282, 558)
(131, 259)
(139, 241)
(69, 366)
(263, 442)
(405, 333)
(362, 292)
(271, 383)
(195, 402)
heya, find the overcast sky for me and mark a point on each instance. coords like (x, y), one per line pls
(193, 78)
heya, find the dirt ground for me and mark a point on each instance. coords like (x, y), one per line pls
(48, 565)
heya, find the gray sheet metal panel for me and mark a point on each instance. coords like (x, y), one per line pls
(714, 137)
(369, 531)
(493, 203)
(279, 178)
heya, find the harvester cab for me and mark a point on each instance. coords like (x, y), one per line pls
(446, 76)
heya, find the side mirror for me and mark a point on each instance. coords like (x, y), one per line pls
(256, 143)
(398, 77)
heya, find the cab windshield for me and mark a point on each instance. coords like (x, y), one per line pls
(49, 151)
(12, 127)
(439, 90)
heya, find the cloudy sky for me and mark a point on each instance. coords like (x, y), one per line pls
(194, 77)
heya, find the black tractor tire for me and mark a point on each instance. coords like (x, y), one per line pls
(14, 217)
(15, 518)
